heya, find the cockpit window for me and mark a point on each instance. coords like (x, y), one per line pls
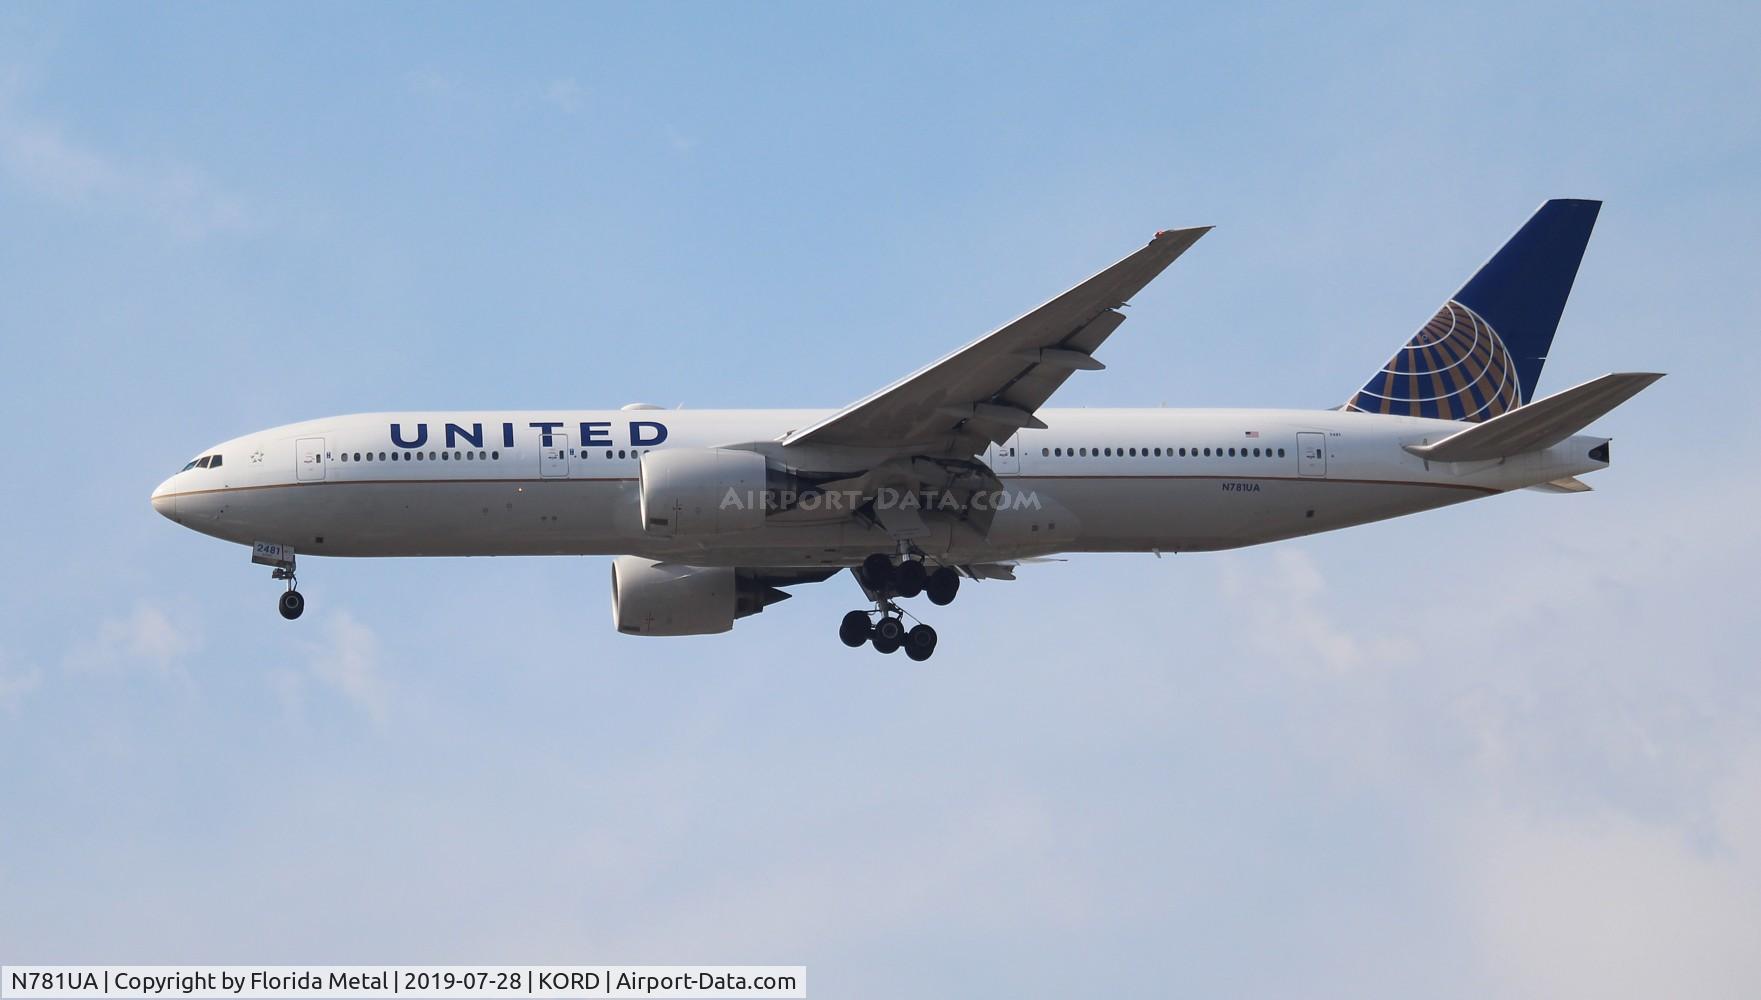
(216, 463)
(202, 463)
(189, 465)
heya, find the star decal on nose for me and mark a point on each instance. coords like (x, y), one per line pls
(257, 457)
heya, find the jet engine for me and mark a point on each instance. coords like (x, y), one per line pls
(687, 492)
(655, 598)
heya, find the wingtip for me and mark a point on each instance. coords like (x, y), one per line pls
(1195, 231)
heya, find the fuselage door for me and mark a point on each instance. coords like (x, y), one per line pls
(1311, 454)
(553, 457)
(1006, 457)
(309, 460)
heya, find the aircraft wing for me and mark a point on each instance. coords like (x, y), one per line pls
(989, 389)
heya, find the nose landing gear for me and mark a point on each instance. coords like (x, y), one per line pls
(281, 558)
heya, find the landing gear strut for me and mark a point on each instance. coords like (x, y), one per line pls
(281, 557)
(886, 581)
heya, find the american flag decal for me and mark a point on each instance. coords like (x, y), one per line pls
(1253, 434)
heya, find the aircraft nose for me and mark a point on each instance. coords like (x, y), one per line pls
(165, 500)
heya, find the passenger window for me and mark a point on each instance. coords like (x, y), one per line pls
(1134, 453)
(621, 454)
(1280, 452)
(496, 455)
(1044, 452)
(1207, 453)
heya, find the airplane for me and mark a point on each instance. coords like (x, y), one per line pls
(955, 472)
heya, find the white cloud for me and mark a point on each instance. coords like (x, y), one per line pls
(346, 660)
(1289, 622)
(16, 683)
(147, 639)
(566, 94)
(1607, 906)
(41, 159)
(679, 141)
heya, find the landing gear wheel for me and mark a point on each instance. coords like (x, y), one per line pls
(889, 634)
(911, 578)
(920, 642)
(890, 628)
(877, 571)
(853, 630)
(292, 605)
(942, 585)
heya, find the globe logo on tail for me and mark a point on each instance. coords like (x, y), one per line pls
(1455, 368)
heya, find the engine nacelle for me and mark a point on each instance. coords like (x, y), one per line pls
(652, 598)
(687, 492)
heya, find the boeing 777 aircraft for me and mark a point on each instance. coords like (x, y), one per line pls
(955, 472)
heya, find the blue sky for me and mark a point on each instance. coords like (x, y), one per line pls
(1507, 748)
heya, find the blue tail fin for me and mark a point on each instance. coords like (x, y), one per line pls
(1481, 355)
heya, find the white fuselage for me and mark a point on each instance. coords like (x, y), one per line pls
(1105, 480)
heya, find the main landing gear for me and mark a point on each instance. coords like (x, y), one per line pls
(888, 632)
(884, 626)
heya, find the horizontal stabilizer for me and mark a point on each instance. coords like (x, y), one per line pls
(1540, 424)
